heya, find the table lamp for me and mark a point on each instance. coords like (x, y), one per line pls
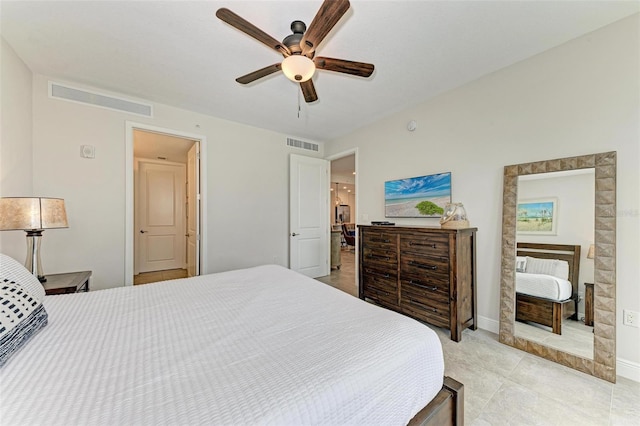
(32, 215)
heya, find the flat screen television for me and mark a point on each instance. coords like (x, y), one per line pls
(422, 196)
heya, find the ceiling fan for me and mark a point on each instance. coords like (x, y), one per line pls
(299, 48)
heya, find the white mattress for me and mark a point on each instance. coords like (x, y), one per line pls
(257, 346)
(541, 285)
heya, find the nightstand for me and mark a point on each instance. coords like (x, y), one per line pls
(588, 304)
(72, 282)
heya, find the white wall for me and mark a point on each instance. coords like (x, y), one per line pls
(247, 198)
(15, 140)
(579, 98)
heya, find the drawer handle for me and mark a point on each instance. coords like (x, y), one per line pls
(434, 288)
(412, 243)
(422, 305)
(379, 292)
(377, 256)
(369, 271)
(422, 265)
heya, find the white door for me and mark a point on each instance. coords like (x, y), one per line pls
(308, 219)
(162, 228)
(193, 210)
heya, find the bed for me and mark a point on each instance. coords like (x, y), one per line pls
(263, 345)
(547, 283)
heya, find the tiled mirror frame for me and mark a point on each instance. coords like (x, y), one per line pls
(603, 364)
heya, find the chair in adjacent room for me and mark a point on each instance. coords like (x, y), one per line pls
(349, 238)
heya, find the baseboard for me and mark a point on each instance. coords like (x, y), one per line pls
(628, 369)
(488, 324)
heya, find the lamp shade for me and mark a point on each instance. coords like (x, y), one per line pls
(592, 252)
(298, 68)
(24, 213)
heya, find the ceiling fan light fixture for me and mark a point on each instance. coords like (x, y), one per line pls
(298, 68)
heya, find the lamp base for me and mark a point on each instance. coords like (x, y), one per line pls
(33, 263)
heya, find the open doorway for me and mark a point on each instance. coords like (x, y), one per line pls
(164, 205)
(164, 193)
(342, 217)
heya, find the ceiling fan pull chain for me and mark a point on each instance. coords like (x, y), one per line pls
(298, 104)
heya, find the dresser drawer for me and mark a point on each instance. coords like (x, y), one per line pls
(422, 312)
(431, 302)
(427, 244)
(430, 296)
(375, 239)
(383, 280)
(437, 268)
(379, 292)
(425, 283)
(386, 260)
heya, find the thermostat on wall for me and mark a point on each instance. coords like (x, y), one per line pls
(87, 151)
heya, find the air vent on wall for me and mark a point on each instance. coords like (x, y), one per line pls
(59, 91)
(302, 144)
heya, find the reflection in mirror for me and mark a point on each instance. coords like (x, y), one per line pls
(555, 208)
(548, 229)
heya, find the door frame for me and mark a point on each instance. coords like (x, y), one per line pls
(330, 158)
(129, 254)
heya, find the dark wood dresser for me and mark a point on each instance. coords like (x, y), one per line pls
(427, 273)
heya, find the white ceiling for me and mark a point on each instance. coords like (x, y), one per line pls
(178, 53)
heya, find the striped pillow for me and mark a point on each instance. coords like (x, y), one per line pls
(553, 267)
(21, 311)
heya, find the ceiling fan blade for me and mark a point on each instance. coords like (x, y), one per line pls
(253, 76)
(248, 28)
(329, 14)
(309, 91)
(360, 69)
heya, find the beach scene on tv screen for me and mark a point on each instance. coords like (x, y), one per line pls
(423, 196)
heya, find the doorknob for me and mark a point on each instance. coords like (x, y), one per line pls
(294, 234)
(142, 232)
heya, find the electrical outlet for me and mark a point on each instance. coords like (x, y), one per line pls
(631, 318)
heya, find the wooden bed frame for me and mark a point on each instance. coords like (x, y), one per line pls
(546, 311)
(446, 408)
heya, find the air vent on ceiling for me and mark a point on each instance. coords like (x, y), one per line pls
(59, 91)
(302, 144)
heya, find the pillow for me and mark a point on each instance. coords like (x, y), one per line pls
(22, 313)
(553, 267)
(521, 263)
(562, 270)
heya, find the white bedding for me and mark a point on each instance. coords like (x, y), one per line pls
(541, 285)
(262, 345)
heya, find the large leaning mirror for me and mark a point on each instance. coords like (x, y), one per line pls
(558, 261)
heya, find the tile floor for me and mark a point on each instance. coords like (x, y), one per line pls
(576, 337)
(505, 386)
(152, 277)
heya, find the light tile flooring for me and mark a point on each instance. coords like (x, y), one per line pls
(505, 386)
(576, 338)
(155, 276)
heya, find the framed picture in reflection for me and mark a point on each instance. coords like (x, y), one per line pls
(537, 216)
